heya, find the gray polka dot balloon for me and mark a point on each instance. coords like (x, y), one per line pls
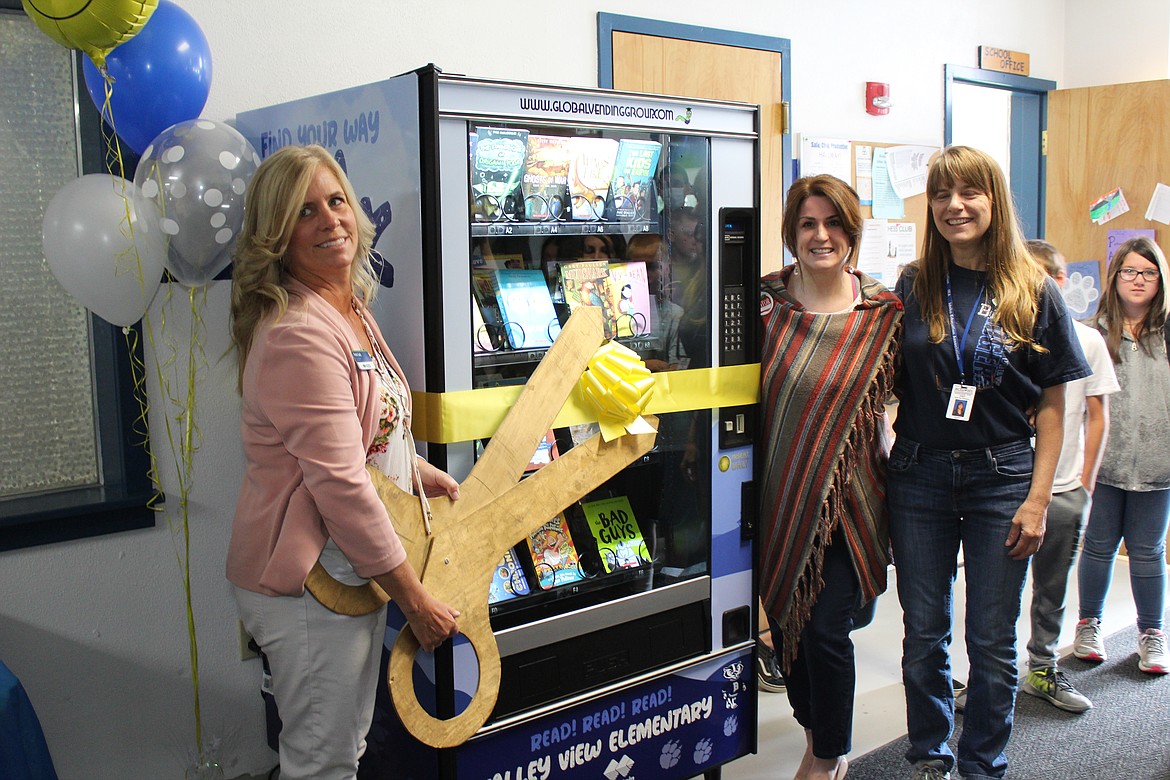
(192, 180)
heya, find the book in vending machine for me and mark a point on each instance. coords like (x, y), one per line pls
(625, 623)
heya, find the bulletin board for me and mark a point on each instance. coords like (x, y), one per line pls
(916, 207)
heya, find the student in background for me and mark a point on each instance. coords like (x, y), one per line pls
(1086, 425)
(665, 353)
(1133, 486)
(983, 324)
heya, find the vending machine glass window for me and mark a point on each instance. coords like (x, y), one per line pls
(563, 218)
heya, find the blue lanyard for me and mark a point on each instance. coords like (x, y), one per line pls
(961, 345)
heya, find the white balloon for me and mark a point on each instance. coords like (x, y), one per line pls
(98, 249)
(194, 197)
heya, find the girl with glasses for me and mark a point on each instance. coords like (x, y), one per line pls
(1132, 499)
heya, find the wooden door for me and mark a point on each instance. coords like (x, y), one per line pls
(669, 66)
(1100, 138)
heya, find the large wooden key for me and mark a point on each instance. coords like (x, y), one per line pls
(495, 510)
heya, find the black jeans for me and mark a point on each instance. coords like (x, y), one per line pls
(821, 681)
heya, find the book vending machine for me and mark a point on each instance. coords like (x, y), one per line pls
(625, 624)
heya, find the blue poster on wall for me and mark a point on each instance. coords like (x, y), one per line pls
(675, 726)
(1083, 289)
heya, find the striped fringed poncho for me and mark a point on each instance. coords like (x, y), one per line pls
(824, 382)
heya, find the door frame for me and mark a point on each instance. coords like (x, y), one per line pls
(1036, 164)
(608, 24)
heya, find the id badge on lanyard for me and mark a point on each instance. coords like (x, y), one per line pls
(962, 399)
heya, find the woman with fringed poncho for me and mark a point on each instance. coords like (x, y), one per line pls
(827, 369)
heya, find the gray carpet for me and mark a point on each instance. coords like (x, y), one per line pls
(1125, 735)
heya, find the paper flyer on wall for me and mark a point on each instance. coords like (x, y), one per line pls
(1159, 208)
(871, 249)
(907, 166)
(825, 155)
(901, 248)
(886, 203)
(1108, 207)
(863, 173)
(885, 248)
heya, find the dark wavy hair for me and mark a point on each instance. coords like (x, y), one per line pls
(841, 195)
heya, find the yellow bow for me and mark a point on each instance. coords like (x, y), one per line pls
(620, 385)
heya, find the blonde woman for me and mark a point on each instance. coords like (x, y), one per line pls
(987, 348)
(1132, 501)
(323, 397)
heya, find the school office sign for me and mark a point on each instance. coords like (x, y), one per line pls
(1004, 61)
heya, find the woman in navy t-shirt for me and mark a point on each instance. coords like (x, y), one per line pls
(987, 348)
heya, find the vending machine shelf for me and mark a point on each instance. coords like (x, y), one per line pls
(561, 228)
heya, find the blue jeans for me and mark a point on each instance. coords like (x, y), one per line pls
(1140, 519)
(938, 500)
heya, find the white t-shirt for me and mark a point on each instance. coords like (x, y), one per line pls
(1103, 381)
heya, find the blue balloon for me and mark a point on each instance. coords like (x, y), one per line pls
(162, 76)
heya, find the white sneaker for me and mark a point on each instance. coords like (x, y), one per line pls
(1088, 645)
(1152, 652)
(1052, 685)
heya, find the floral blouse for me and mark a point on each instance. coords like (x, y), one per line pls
(391, 452)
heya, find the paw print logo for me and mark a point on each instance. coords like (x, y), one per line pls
(703, 751)
(730, 725)
(671, 754)
(1079, 294)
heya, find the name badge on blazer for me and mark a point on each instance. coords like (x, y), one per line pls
(363, 359)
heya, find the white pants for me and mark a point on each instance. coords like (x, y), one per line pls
(324, 677)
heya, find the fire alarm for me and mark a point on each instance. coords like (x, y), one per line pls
(877, 98)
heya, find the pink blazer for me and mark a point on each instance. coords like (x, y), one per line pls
(309, 415)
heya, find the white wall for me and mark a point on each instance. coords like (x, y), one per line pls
(1125, 41)
(96, 629)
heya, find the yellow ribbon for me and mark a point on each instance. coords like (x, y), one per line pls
(465, 415)
(619, 385)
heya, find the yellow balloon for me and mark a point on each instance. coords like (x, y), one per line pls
(93, 26)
